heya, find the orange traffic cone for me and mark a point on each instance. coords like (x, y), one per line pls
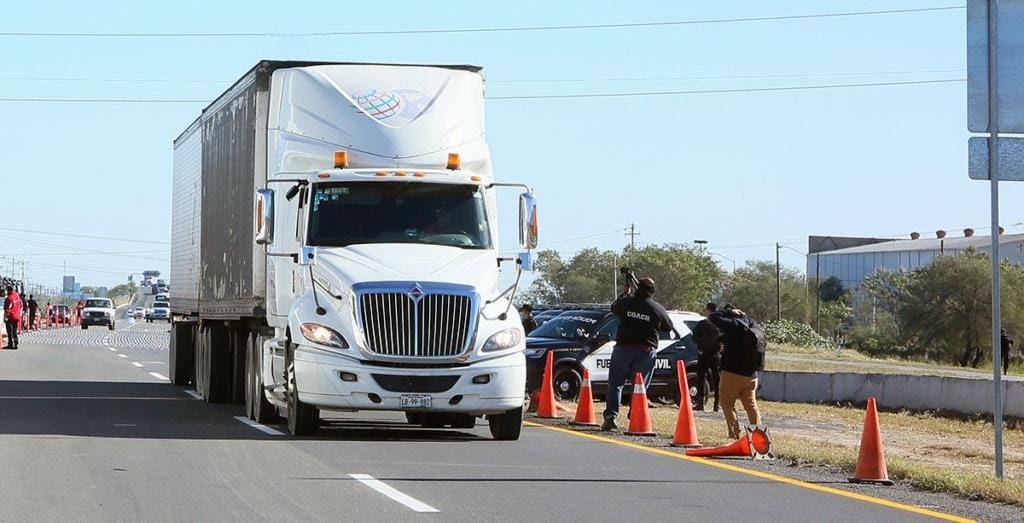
(686, 427)
(585, 410)
(547, 406)
(871, 462)
(740, 447)
(639, 415)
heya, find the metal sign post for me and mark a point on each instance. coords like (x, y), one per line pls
(995, 106)
(993, 176)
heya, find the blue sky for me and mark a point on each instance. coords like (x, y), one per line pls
(742, 170)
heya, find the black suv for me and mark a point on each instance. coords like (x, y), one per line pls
(581, 339)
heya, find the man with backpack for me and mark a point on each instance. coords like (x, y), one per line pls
(709, 357)
(743, 348)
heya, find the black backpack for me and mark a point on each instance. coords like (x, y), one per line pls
(754, 344)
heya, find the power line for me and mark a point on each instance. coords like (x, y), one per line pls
(720, 91)
(547, 96)
(83, 253)
(513, 80)
(625, 25)
(85, 236)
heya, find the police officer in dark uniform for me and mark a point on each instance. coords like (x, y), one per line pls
(636, 343)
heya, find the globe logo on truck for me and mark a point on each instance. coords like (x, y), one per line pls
(378, 103)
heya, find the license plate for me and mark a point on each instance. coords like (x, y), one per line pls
(415, 401)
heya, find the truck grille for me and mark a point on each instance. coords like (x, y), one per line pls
(414, 322)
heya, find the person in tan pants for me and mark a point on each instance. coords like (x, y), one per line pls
(732, 387)
(738, 378)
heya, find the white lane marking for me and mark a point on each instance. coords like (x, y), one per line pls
(137, 364)
(159, 376)
(260, 427)
(111, 349)
(122, 355)
(393, 493)
(194, 394)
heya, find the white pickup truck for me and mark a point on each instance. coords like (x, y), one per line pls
(98, 311)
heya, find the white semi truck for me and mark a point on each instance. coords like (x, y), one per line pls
(335, 246)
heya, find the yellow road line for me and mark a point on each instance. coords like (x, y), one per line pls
(759, 474)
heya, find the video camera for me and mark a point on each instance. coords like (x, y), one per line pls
(630, 276)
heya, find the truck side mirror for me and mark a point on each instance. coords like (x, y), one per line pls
(264, 216)
(525, 261)
(528, 221)
(306, 255)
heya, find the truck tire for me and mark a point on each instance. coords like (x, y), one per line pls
(180, 357)
(238, 339)
(414, 418)
(256, 405)
(506, 426)
(303, 419)
(85, 327)
(434, 420)
(213, 365)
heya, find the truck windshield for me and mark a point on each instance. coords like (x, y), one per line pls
(98, 303)
(350, 213)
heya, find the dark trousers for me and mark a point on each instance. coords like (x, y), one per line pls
(1006, 362)
(31, 320)
(12, 333)
(625, 364)
(707, 372)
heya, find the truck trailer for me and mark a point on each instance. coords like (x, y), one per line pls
(334, 246)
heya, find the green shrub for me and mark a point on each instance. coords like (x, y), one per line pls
(793, 333)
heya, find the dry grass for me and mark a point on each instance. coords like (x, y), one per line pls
(928, 451)
(831, 360)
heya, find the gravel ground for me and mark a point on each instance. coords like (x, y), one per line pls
(833, 477)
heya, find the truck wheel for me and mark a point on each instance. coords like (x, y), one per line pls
(463, 421)
(303, 419)
(414, 418)
(180, 357)
(567, 383)
(85, 327)
(214, 365)
(506, 426)
(111, 326)
(256, 405)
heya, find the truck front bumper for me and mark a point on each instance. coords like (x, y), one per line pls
(319, 379)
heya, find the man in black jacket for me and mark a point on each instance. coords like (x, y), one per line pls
(526, 316)
(709, 357)
(636, 343)
(33, 311)
(738, 379)
(1005, 342)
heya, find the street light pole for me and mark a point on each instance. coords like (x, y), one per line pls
(778, 284)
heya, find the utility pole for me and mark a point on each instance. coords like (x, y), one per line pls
(817, 293)
(778, 284)
(632, 236)
(993, 176)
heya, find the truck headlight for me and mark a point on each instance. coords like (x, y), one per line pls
(322, 335)
(502, 340)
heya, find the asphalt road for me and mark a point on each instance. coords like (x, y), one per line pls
(90, 430)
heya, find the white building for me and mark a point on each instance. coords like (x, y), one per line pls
(851, 264)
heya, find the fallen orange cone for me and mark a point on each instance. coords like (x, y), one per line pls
(639, 414)
(547, 406)
(686, 426)
(585, 414)
(871, 461)
(738, 448)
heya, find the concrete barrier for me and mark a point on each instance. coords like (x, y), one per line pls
(895, 391)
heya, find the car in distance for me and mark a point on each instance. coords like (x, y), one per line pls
(161, 311)
(139, 313)
(98, 311)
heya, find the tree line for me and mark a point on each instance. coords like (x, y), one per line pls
(939, 312)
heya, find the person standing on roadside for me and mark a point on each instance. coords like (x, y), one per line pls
(740, 362)
(636, 343)
(12, 316)
(709, 357)
(33, 311)
(526, 315)
(1005, 343)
